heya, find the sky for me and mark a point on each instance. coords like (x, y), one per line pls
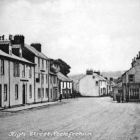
(99, 34)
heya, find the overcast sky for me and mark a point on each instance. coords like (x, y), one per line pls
(99, 34)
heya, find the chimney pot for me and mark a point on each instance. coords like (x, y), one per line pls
(2, 37)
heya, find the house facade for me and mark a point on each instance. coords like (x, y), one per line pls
(33, 53)
(16, 78)
(65, 86)
(91, 84)
(131, 81)
(26, 76)
(54, 94)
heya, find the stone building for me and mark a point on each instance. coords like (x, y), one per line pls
(26, 75)
(91, 84)
(65, 85)
(131, 81)
(16, 78)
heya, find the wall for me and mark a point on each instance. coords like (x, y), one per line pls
(39, 70)
(4, 79)
(20, 81)
(87, 86)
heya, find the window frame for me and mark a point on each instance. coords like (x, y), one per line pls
(5, 92)
(30, 91)
(16, 92)
(2, 66)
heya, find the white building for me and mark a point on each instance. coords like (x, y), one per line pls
(65, 85)
(91, 84)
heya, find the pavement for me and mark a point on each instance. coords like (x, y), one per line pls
(74, 119)
(31, 106)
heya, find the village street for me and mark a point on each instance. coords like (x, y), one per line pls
(81, 118)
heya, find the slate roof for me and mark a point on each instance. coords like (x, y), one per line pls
(14, 57)
(35, 52)
(63, 77)
(100, 77)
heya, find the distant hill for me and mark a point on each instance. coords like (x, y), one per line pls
(114, 74)
(76, 77)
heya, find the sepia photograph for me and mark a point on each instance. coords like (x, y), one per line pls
(69, 69)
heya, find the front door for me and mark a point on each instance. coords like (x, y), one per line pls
(23, 94)
(0, 96)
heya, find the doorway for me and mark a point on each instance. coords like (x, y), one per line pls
(23, 94)
(0, 95)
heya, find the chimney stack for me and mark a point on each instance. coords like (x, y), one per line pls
(37, 46)
(18, 39)
(2, 37)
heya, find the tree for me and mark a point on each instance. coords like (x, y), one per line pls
(64, 67)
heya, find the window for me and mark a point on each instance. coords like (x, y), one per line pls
(42, 92)
(39, 93)
(42, 78)
(23, 71)
(96, 83)
(42, 64)
(51, 93)
(47, 93)
(30, 72)
(5, 92)
(2, 66)
(38, 62)
(101, 90)
(46, 78)
(16, 69)
(68, 84)
(16, 91)
(39, 77)
(131, 78)
(30, 91)
(46, 64)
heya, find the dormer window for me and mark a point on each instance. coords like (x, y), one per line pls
(131, 78)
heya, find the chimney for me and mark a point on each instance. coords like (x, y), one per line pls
(2, 37)
(97, 72)
(89, 72)
(37, 46)
(132, 62)
(134, 59)
(17, 42)
(137, 56)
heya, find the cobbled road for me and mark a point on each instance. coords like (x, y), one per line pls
(74, 119)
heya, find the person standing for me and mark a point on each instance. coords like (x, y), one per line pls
(60, 97)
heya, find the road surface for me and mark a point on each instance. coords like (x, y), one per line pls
(74, 119)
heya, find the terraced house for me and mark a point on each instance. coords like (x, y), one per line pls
(16, 76)
(131, 81)
(25, 73)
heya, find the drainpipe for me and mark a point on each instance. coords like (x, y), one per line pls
(42, 76)
(48, 80)
(9, 81)
(26, 101)
(34, 86)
